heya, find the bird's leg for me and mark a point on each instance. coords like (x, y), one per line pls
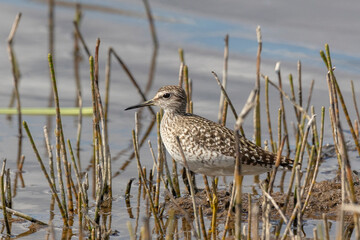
(186, 182)
(193, 181)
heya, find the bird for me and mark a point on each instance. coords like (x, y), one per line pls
(209, 147)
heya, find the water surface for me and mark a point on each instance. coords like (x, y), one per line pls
(291, 32)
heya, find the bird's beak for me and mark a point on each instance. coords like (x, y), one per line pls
(144, 104)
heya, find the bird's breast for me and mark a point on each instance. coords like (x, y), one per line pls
(199, 157)
(168, 132)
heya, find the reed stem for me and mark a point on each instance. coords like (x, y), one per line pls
(62, 211)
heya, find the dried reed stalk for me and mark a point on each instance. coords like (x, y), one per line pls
(250, 217)
(107, 89)
(77, 60)
(170, 231)
(299, 87)
(276, 167)
(228, 100)
(327, 61)
(23, 215)
(272, 144)
(60, 144)
(202, 223)
(14, 64)
(250, 103)
(293, 98)
(62, 211)
(214, 207)
(277, 71)
(276, 206)
(152, 206)
(77, 30)
(354, 100)
(77, 174)
(326, 227)
(50, 154)
(3, 199)
(297, 160)
(298, 107)
(310, 95)
(279, 124)
(257, 119)
(160, 164)
(181, 74)
(15, 73)
(224, 77)
(291, 218)
(192, 190)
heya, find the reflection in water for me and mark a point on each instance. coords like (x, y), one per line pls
(19, 175)
(138, 206)
(77, 59)
(16, 79)
(127, 198)
(33, 228)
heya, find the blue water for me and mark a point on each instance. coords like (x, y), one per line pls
(208, 32)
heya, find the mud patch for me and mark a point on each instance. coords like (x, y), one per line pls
(325, 198)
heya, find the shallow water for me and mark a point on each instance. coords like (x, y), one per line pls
(289, 34)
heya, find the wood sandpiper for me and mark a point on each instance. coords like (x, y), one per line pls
(209, 147)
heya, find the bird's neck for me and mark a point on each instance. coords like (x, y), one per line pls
(174, 112)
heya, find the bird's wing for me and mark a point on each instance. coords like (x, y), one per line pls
(212, 136)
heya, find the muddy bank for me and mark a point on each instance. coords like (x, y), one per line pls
(325, 198)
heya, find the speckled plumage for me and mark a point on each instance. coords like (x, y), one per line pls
(209, 147)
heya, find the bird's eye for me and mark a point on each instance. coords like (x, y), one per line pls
(166, 95)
